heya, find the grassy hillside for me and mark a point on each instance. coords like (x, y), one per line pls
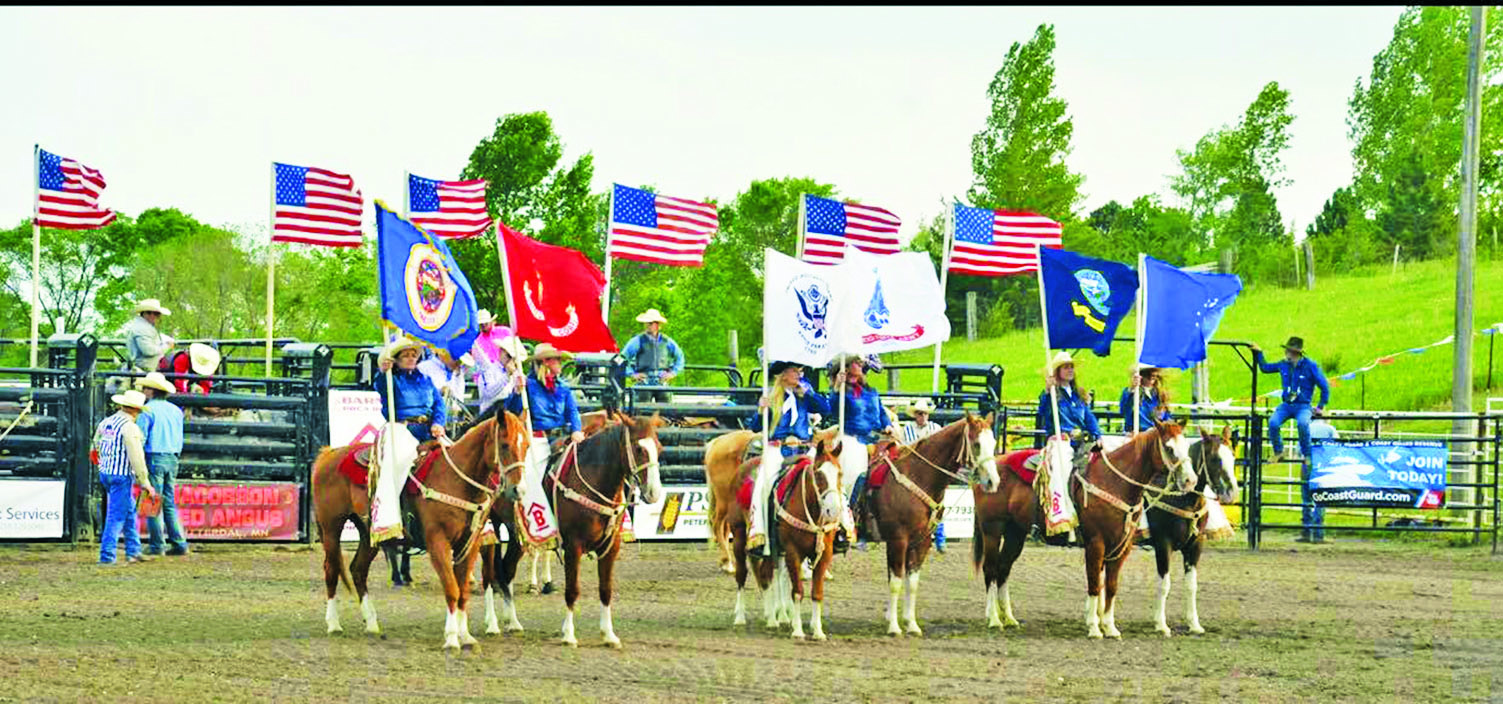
(1347, 321)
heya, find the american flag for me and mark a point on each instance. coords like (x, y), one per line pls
(68, 194)
(1000, 242)
(829, 225)
(316, 206)
(648, 227)
(447, 208)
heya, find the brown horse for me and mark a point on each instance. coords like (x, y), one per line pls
(459, 486)
(1002, 521)
(722, 474)
(1179, 522)
(1110, 500)
(800, 535)
(589, 499)
(498, 570)
(909, 503)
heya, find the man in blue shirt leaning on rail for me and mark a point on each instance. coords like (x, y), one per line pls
(652, 357)
(1300, 376)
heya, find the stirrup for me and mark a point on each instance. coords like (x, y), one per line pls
(842, 542)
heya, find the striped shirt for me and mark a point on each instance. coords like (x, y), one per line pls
(120, 444)
(913, 433)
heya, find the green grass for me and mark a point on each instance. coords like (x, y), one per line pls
(1347, 321)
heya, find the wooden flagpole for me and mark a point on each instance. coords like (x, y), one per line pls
(271, 266)
(1044, 318)
(36, 248)
(944, 273)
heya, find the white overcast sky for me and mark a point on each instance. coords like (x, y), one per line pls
(186, 107)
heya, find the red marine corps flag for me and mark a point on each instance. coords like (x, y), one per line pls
(553, 293)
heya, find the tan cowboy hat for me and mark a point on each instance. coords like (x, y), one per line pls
(922, 405)
(483, 317)
(512, 345)
(545, 351)
(1060, 359)
(398, 345)
(151, 305)
(155, 380)
(203, 358)
(131, 398)
(651, 315)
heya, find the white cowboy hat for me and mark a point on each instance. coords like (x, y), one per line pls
(151, 305)
(203, 358)
(922, 405)
(512, 345)
(1060, 359)
(155, 380)
(651, 315)
(131, 398)
(483, 317)
(545, 351)
(398, 345)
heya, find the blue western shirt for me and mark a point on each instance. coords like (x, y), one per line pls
(415, 396)
(1300, 379)
(647, 355)
(550, 409)
(162, 423)
(1145, 410)
(863, 414)
(1074, 414)
(796, 423)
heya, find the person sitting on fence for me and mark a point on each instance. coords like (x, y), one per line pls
(491, 336)
(162, 424)
(912, 431)
(1075, 414)
(144, 342)
(199, 359)
(865, 417)
(1153, 400)
(1300, 376)
(498, 380)
(119, 449)
(789, 403)
(447, 374)
(652, 357)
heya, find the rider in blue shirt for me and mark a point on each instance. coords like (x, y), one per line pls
(1300, 376)
(550, 399)
(790, 401)
(1074, 412)
(419, 404)
(1153, 403)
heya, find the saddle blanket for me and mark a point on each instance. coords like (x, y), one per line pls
(877, 470)
(786, 479)
(1024, 463)
(356, 467)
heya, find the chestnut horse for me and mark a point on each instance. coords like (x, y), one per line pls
(498, 570)
(459, 486)
(1109, 499)
(588, 492)
(909, 503)
(1002, 522)
(1179, 522)
(800, 536)
(723, 475)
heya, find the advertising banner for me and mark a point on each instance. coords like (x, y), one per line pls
(31, 508)
(235, 510)
(684, 514)
(1384, 473)
(354, 416)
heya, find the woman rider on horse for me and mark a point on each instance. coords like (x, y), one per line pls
(865, 417)
(418, 406)
(790, 401)
(1074, 412)
(1153, 401)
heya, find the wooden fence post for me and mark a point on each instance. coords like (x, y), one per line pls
(1309, 266)
(970, 316)
(1395, 259)
(735, 349)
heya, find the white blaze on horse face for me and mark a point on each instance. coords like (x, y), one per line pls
(986, 445)
(829, 501)
(1179, 451)
(1229, 471)
(654, 490)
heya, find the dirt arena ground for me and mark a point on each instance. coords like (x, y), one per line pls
(1350, 621)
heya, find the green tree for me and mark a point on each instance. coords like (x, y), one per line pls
(78, 268)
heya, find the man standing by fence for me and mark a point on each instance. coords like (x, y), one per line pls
(652, 357)
(162, 424)
(118, 446)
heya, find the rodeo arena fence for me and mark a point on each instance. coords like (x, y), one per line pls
(249, 445)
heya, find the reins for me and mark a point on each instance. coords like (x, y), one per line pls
(612, 509)
(1130, 512)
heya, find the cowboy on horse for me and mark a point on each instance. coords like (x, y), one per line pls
(789, 402)
(554, 416)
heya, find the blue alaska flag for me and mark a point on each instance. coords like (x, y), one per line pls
(423, 292)
(1181, 310)
(1084, 299)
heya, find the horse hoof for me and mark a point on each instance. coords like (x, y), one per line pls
(548, 588)
(374, 630)
(1197, 630)
(1165, 631)
(493, 630)
(994, 624)
(798, 636)
(451, 646)
(612, 642)
(1114, 634)
(821, 637)
(915, 631)
(1095, 633)
(728, 568)
(740, 621)
(571, 642)
(895, 632)
(470, 647)
(513, 628)
(532, 589)
(335, 630)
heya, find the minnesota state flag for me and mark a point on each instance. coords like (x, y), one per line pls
(1084, 299)
(423, 292)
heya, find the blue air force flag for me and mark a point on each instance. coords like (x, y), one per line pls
(1181, 310)
(1084, 299)
(423, 292)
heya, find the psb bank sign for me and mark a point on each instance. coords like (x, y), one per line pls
(1400, 474)
(682, 514)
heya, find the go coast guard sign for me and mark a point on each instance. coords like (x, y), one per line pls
(430, 291)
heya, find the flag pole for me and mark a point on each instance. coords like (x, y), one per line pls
(407, 195)
(36, 248)
(605, 299)
(511, 317)
(271, 266)
(944, 273)
(1137, 356)
(803, 214)
(1044, 318)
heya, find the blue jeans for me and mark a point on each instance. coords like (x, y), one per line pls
(939, 535)
(120, 514)
(162, 467)
(1301, 413)
(1312, 517)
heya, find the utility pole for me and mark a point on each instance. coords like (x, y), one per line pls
(1466, 252)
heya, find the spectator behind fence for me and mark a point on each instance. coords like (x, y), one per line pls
(652, 357)
(915, 430)
(1313, 518)
(161, 423)
(119, 450)
(145, 344)
(491, 336)
(199, 359)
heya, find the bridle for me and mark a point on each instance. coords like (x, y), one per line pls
(968, 456)
(807, 523)
(612, 509)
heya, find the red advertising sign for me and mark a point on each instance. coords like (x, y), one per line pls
(236, 510)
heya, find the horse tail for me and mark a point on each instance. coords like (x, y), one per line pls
(344, 576)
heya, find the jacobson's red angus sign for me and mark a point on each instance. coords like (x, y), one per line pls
(236, 510)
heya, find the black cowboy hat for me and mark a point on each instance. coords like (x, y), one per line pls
(1295, 344)
(776, 368)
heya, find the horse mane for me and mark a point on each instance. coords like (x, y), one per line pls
(601, 453)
